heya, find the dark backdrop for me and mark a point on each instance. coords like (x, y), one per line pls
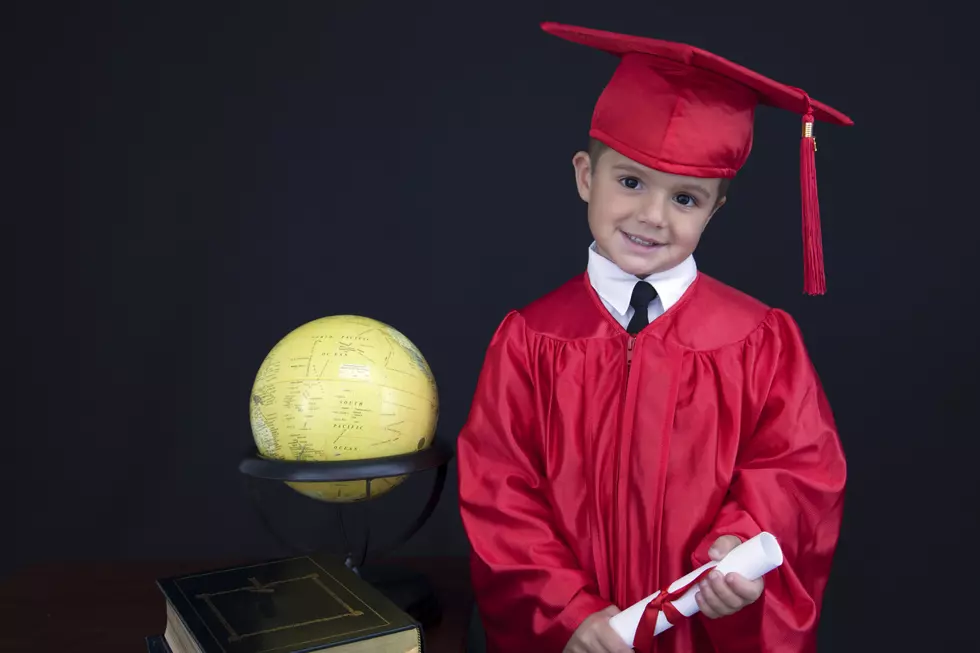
(185, 184)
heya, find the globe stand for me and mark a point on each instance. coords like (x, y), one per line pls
(410, 591)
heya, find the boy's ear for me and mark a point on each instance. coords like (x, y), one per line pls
(583, 174)
(720, 203)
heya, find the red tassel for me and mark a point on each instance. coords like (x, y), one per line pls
(814, 281)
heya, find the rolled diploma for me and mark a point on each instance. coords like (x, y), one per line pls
(752, 559)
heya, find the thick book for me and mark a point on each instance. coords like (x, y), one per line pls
(290, 605)
(157, 644)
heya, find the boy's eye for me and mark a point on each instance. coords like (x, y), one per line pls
(685, 200)
(630, 182)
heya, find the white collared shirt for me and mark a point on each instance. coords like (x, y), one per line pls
(615, 287)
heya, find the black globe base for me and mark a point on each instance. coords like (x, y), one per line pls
(409, 590)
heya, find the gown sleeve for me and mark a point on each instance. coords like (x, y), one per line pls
(788, 480)
(530, 589)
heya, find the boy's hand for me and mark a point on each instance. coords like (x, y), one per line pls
(595, 635)
(721, 596)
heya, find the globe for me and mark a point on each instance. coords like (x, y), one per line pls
(343, 387)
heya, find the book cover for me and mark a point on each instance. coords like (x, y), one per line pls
(157, 644)
(290, 605)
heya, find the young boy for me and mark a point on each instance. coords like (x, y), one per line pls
(644, 418)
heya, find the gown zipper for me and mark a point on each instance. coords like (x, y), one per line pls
(616, 517)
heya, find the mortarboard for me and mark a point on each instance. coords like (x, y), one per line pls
(682, 110)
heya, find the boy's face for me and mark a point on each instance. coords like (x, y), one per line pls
(644, 220)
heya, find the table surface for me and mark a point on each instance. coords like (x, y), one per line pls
(111, 607)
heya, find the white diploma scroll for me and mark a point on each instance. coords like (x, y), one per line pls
(752, 559)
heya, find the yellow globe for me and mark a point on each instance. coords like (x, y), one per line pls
(343, 387)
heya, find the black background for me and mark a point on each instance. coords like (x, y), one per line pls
(185, 184)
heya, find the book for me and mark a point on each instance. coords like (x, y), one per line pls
(157, 644)
(299, 604)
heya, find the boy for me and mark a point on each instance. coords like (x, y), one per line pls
(644, 418)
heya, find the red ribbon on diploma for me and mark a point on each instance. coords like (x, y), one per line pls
(643, 640)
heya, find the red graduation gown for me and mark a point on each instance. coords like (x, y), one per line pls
(595, 469)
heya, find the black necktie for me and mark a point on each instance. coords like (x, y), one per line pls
(643, 294)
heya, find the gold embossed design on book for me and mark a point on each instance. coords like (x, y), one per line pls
(283, 606)
(257, 587)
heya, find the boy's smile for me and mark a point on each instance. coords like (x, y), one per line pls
(643, 220)
(641, 243)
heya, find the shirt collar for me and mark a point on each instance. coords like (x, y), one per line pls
(616, 286)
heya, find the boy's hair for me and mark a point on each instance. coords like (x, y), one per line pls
(597, 148)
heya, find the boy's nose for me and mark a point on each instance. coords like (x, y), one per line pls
(653, 214)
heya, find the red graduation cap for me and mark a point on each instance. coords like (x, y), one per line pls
(682, 110)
